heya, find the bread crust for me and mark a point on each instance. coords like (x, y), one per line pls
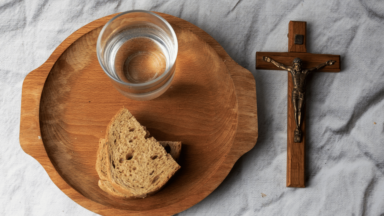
(100, 161)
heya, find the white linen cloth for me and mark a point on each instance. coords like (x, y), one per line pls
(345, 118)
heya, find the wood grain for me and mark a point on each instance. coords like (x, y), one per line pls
(296, 151)
(211, 106)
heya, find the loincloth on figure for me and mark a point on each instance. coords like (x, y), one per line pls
(298, 97)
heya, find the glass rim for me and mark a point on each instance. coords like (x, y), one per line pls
(166, 72)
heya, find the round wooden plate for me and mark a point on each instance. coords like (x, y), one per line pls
(211, 107)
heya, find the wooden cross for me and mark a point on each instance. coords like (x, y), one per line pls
(296, 49)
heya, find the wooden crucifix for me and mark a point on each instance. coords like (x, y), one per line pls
(294, 61)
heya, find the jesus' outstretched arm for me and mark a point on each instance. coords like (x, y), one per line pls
(277, 64)
(322, 65)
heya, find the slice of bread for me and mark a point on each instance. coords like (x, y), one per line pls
(173, 148)
(101, 164)
(136, 165)
(105, 185)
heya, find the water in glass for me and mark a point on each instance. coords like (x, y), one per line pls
(138, 54)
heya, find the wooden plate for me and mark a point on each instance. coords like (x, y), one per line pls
(211, 107)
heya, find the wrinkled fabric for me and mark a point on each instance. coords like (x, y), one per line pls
(345, 118)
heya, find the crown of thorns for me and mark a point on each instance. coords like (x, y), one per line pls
(297, 60)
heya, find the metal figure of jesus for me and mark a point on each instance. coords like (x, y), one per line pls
(298, 93)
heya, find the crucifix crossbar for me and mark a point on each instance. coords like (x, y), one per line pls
(292, 61)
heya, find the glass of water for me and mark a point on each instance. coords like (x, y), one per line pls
(137, 50)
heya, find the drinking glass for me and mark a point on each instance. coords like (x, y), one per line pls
(137, 50)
